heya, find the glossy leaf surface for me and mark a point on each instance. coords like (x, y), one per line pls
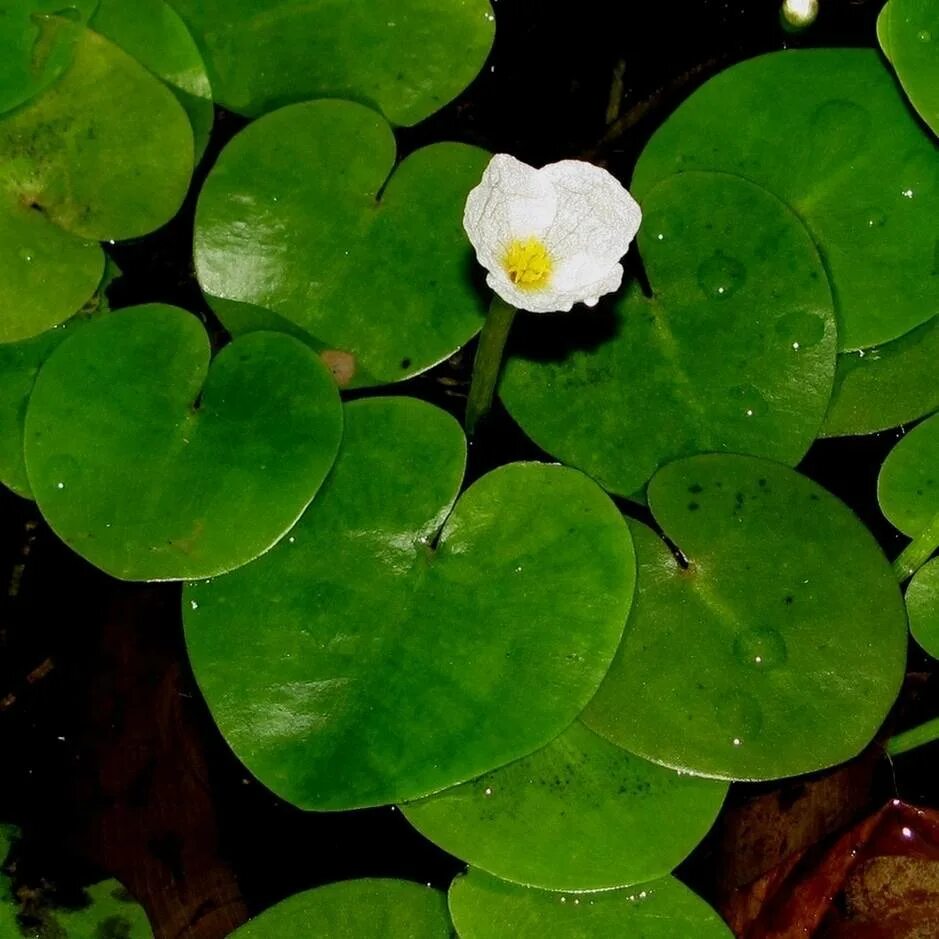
(922, 606)
(909, 34)
(153, 33)
(105, 153)
(155, 465)
(389, 647)
(830, 133)
(735, 351)
(787, 613)
(406, 57)
(483, 907)
(290, 220)
(908, 487)
(893, 384)
(579, 814)
(355, 909)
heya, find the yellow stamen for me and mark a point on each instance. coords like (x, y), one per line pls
(528, 264)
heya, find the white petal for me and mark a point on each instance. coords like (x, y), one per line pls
(512, 201)
(595, 214)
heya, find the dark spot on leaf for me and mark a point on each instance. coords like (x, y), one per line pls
(114, 927)
(789, 599)
(693, 506)
(761, 483)
(695, 488)
(405, 363)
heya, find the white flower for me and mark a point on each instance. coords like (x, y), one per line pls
(552, 237)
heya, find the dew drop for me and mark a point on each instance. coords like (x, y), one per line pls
(924, 35)
(740, 715)
(750, 402)
(919, 173)
(25, 255)
(761, 648)
(721, 276)
(800, 329)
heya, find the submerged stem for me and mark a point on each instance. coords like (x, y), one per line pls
(913, 738)
(488, 362)
(918, 551)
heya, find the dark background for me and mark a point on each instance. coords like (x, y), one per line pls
(111, 764)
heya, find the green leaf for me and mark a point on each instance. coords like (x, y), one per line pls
(876, 389)
(290, 220)
(781, 647)
(105, 153)
(155, 466)
(19, 365)
(374, 656)
(908, 487)
(483, 907)
(908, 31)
(111, 912)
(36, 45)
(579, 814)
(735, 351)
(355, 909)
(827, 131)
(406, 57)
(153, 33)
(922, 606)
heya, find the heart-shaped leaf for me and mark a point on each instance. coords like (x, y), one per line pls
(407, 57)
(290, 220)
(777, 650)
(153, 33)
(34, 47)
(909, 34)
(154, 466)
(908, 487)
(922, 607)
(375, 656)
(355, 909)
(483, 907)
(735, 351)
(579, 814)
(828, 132)
(105, 153)
(884, 387)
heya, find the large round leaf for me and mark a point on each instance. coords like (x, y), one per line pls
(579, 814)
(376, 657)
(483, 907)
(153, 33)
(408, 57)
(153, 465)
(34, 47)
(922, 606)
(735, 350)
(290, 220)
(105, 153)
(355, 909)
(908, 487)
(880, 388)
(827, 131)
(780, 647)
(909, 34)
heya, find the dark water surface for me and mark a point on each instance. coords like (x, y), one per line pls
(111, 764)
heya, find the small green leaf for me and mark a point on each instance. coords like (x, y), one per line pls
(579, 814)
(407, 57)
(105, 153)
(154, 465)
(290, 220)
(893, 384)
(36, 45)
(908, 31)
(908, 487)
(735, 351)
(153, 33)
(355, 909)
(483, 907)
(828, 132)
(922, 606)
(111, 913)
(777, 651)
(374, 656)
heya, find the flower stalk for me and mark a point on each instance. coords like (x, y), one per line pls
(918, 551)
(488, 362)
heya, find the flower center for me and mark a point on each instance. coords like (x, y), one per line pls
(527, 263)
